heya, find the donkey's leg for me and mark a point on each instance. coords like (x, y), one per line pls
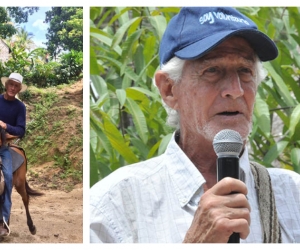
(19, 182)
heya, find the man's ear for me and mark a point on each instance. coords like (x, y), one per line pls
(165, 86)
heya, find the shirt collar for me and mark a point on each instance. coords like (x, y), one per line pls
(186, 178)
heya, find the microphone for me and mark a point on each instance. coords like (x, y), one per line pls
(228, 146)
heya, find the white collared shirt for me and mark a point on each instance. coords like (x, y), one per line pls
(154, 201)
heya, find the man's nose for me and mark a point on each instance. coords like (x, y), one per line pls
(232, 86)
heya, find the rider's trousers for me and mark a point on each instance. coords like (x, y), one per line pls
(5, 198)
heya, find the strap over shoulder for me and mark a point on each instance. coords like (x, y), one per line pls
(266, 202)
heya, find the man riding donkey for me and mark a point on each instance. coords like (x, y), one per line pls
(13, 120)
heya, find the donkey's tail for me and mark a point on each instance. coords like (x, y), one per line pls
(31, 192)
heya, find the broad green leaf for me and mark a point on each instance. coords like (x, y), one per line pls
(128, 71)
(117, 140)
(136, 94)
(99, 84)
(135, 26)
(263, 115)
(94, 13)
(121, 95)
(289, 71)
(164, 143)
(120, 15)
(275, 151)
(112, 61)
(94, 70)
(293, 47)
(147, 92)
(104, 141)
(282, 88)
(295, 119)
(93, 168)
(269, 86)
(160, 24)
(145, 68)
(121, 31)
(128, 47)
(101, 36)
(138, 58)
(149, 52)
(126, 82)
(153, 149)
(138, 119)
(100, 102)
(295, 158)
(141, 147)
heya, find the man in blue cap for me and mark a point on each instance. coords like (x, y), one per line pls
(210, 67)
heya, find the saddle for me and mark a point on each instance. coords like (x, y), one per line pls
(17, 161)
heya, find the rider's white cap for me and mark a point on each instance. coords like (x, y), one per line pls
(16, 77)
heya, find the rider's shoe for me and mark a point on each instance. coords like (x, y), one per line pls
(3, 231)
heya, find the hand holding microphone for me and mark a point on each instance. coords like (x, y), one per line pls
(224, 208)
(228, 146)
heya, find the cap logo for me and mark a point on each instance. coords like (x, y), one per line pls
(210, 18)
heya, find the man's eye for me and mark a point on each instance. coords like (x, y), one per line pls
(245, 70)
(211, 70)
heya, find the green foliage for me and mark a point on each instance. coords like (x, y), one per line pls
(19, 61)
(65, 31)
(54, 73)
(126, 115)
(71, 64)
(41, 74)
(275, 139)
(127, 120)
(31, 63)
(20, 14)
(42, 139)
(6, 28)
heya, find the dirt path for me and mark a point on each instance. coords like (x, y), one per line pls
(57, 216)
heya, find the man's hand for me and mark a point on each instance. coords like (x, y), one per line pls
(222, 210)
(3, 125)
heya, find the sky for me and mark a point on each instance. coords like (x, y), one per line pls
(37, 27)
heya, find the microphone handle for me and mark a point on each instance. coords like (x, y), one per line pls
(234, 238)
(228, 166)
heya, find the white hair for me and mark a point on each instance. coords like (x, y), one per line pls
(174, 69)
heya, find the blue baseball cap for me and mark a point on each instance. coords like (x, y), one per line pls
(194, 31)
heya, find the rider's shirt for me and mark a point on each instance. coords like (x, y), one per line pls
(13, 113)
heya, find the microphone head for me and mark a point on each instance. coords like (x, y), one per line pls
(228, 142)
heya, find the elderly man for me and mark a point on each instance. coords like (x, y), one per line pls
(13, 120)
(210, 68)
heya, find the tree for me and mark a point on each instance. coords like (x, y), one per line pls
(66, 29)
(21, 39)
(127, 118)
(6, 27)
(20, 14)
